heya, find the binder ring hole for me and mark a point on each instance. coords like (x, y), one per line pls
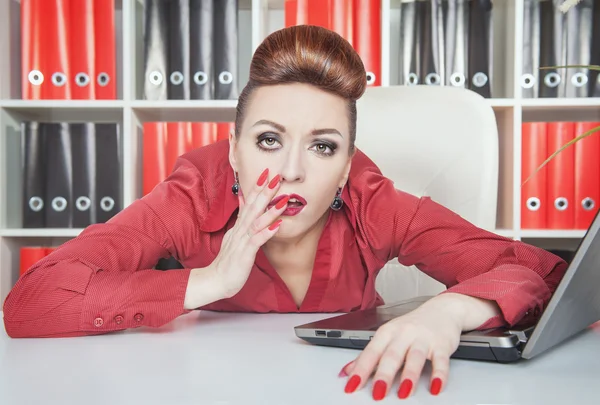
(35, 77)
(59, 79)
(412, 79)
(200, 78)
(552, 79)
(103, 79)
(82, 79)
(457, 79)
(83, 203)
(36, 204)
(561, 203)
(533, 204)
(371, 78)
(225, 77)
(433, 79)
(588, 204)
(107, 203)
(527, 81)
(176, 78)
(156, 77)
(579, 79)
(480, 79)
(59, 204)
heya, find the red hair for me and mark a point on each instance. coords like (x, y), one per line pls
(307, 54)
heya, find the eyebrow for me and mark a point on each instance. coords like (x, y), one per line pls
(281, 128)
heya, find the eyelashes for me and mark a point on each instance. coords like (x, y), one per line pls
(267, 142)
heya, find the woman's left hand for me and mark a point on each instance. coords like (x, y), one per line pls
(429, 332)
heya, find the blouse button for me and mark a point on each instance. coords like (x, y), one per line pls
(98, 322)
(138, 317)
(119, 319)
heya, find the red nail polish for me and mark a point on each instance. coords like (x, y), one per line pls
(436, 386)
(405, 388)
(274, 182)
(282, 202)
(262, 178)
(352, 384)
(379, 390)
(274, 225)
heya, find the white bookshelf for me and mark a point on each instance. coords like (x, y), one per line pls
(257, 18)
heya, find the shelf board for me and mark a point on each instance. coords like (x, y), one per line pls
(65, 110)
(567, 103)
(184, 110)
(553, 233)
(40, 232)
(508, 233)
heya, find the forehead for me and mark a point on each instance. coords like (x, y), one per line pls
(298, 106)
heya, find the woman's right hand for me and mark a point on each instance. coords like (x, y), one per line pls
(252, 229)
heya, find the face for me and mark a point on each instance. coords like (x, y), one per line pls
(301, 133)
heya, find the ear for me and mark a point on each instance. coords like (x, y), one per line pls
(344, 179)
(232, 150)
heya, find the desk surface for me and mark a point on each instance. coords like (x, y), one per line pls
(224, 359)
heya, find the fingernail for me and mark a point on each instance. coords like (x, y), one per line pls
(352, 384)
(274, 225)
(379, 390)
(436, 386)
(282, 202)
(274, 182)
(343, 371)
(263, 177)
(405, 388)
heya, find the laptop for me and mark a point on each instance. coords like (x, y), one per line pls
(574, 306)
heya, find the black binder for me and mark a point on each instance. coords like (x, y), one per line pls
(59, 174)
(428, 71)
(456, 42)
(225, 49)
(156, 40)
(201, 51)
(179, 50)
(579, 38)
(83, 156)
(34, 175)
(480, 47)
(109, 165)
(409, 67)
(549, 79)
(530, 72)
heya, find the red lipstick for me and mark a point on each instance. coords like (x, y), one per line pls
(295, 204)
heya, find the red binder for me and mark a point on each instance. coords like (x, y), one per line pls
(587, 175)
(203, 133)
(154, 160)
(534, 201)
(177, 142)
(32, 49)
(55, 45)
(341, 18)
(30, 255)
(561, 189)
(105, 81)
(81, 52)
(319, 13)
(223, 130)
(367, 37)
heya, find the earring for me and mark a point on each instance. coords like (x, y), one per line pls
(337, 203)
(236, 186)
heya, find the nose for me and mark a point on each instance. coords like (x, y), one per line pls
(293, 166)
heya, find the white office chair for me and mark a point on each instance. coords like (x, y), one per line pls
(436, 141)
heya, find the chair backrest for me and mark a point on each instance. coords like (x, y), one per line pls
(438, 141)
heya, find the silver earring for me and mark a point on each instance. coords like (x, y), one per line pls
(337, 203)
(235, 189)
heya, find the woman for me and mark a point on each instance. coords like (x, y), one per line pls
(287, 216)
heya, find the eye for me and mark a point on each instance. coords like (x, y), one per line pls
(268, 142)
(324, 149)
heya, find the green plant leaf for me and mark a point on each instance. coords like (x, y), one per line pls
(571, 142)
(590, 67)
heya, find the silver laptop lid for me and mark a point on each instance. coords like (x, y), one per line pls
(576, 302)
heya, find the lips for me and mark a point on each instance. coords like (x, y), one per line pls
(294, 201)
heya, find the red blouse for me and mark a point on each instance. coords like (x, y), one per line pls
(103, 280)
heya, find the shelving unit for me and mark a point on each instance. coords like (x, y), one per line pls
(257, 18)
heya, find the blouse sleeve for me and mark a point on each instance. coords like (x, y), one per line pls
(103, 280)
(519, 277)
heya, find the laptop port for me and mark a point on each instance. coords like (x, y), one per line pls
(320, 333)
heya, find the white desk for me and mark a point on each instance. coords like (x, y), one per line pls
(207, 358)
